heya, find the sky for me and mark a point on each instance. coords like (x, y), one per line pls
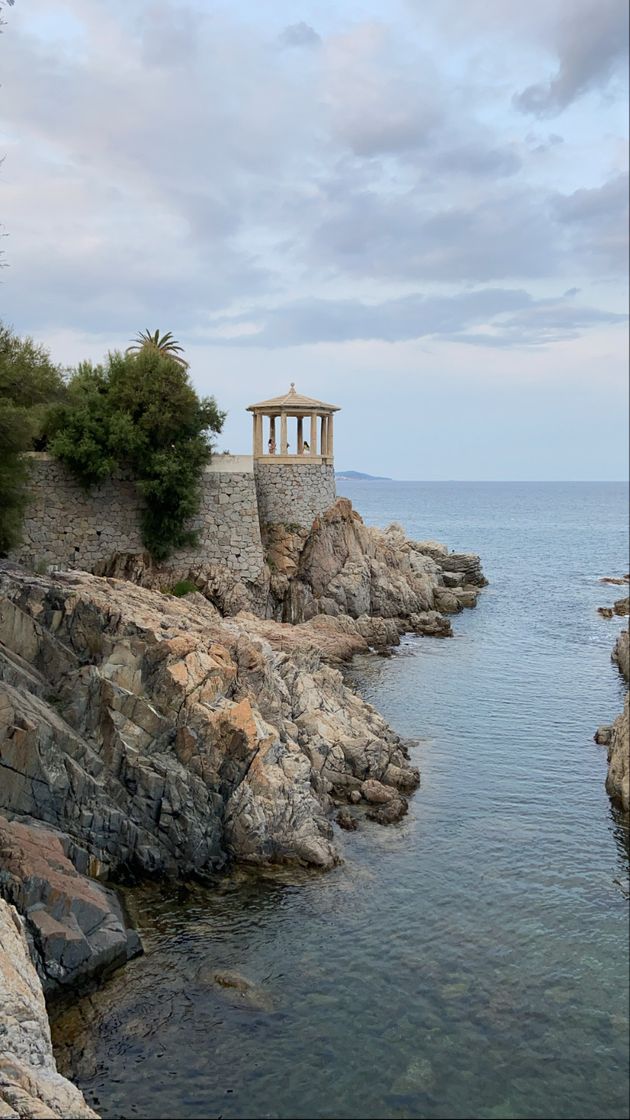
(414, 209)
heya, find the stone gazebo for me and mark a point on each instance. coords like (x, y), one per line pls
(316, 442)
(293, 458)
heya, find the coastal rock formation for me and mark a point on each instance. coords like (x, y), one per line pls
(75, 925)
(618, 777)
(158, 736)
(29, 1083)
(375, 584)
(617, 737)
(621, 654)
(343, 567)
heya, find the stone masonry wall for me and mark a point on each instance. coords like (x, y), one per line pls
(68, 528)
(293, 493)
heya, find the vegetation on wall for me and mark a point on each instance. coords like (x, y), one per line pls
(139, 412)
(29, 383)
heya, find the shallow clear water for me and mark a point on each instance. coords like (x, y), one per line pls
(469, 962)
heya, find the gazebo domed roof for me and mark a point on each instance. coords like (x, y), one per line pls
(292, 400)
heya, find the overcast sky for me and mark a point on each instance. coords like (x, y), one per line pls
(416, 209)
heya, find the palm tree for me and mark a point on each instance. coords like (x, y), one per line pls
(165, 344)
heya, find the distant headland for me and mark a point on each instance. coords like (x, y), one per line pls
(360, 475)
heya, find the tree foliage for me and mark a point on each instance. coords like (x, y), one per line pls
(29, 383)
(139, 412)
(164, 343)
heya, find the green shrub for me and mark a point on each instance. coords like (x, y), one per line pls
(28, 383)
(184, 587)
(140, 412)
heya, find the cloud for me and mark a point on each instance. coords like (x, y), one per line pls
(596, 223)
(489, 316)
(300, 35)
(590, 38)
(167, 163)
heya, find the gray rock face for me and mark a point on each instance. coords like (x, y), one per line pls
(618, 777)
(621, 654)
(75, 924)
(29, 1083)
(617, 736)
(160, 737)
(343, 568)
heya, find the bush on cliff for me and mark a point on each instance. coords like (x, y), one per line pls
(140, 413)
(29, 382)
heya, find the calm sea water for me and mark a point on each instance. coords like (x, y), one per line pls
(469, 962)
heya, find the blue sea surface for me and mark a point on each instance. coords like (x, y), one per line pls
(471, 961)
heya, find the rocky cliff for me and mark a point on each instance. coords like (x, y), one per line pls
(618, 777)
(616, 737)
(141, 733)
(29, 1082)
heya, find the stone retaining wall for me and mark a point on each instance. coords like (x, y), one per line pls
(68, 528)
(293, 493)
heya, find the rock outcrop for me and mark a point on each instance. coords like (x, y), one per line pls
(618, 776)
(376, 583)
(159, 737)
(617, 736)
(29, 1083)
(75, 924)
(145, 733)
(621, 654)
(342, 567)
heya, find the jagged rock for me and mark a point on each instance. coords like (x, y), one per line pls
(76, 925)
(431, 623)
(29, 1083)
(346, 821)
(453, 579)
(343, 567)
(390, 812)
(618, 581)
(621, 607)
(621, 654)
(376, 793)
(467, 596)
(447, 601)
(618, 778)
(605, 612)
(617, 737)
(160, 737)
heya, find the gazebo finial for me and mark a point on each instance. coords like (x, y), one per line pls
(292, 389)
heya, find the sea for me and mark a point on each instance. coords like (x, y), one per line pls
(470, 961)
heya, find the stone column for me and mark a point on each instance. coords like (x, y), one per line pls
(300, 436)
(330, 451)
(313, 434)
(272, 429)
(324, 447)
(258, 434)
(283, 434)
